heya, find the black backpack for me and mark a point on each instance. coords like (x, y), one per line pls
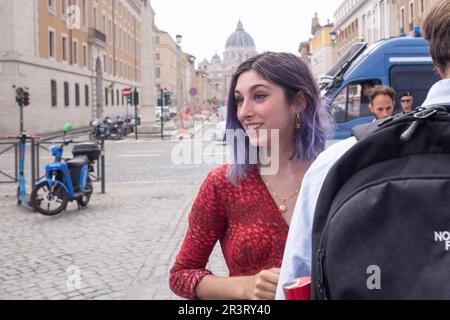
(382, 221)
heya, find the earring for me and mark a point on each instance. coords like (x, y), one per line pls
(298, 122)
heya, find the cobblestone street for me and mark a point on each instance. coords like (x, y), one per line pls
(122, 245)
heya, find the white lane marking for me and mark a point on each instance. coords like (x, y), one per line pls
(147, 155)
(145, 152)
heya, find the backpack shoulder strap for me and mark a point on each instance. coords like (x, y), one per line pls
(364, 130)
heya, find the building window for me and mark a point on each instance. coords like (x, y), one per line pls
(364, 26)
(422, 7)
(64, 48)
(111, 32)
(85, 56)
(115, 35)
(66, 94)
(117, 97)
(84, 13)
(382, 20)
(402, 19)
(51, 44)
(54, 93)
(112, 96)
(63, 8)
(51, 5)
(411, 12)
(95, 17)
(104, 24)
(75, 52)
(86, 95)
(106, 96)
(77, 94)
(158, 57)
(158, 72)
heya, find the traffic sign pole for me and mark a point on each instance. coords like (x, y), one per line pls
(135, 101)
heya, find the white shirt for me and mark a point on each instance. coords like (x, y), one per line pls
(297, 255)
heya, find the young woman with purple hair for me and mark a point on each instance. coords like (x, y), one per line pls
(247, 205)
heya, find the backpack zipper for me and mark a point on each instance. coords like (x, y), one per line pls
(420, 115)
(321, 274)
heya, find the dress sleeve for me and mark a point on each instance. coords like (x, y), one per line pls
(206, 225)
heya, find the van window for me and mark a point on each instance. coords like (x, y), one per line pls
(416, 79)
(353, 101)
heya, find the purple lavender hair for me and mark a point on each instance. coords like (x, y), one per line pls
(290, 73)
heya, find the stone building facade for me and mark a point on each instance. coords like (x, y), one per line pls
(320, 48)
(239, 47)
(75, 56)
(411, 14)
(364, 20)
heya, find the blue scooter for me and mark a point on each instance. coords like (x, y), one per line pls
(66, 179)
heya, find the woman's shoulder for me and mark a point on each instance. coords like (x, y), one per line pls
(216, 184)
(220, 171)
(218, 175)
(220, 178)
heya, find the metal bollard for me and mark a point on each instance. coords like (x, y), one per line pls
(16, 162)
(103, 165)
(33, 164)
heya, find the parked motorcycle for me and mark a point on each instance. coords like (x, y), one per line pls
(115, 130)
(128, 125)
(111, 128)
(66, 180)
(98, 131)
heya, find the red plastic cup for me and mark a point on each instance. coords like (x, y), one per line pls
(298, 289)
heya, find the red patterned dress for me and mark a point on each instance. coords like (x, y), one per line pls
(246, 221)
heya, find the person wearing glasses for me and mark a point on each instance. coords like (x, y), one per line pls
(407, 101)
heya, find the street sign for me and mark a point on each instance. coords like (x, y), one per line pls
(193, 92)
(126, 92)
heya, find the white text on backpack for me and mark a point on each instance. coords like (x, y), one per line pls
(443, 236)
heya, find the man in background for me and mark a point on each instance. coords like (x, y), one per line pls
(407, 102)
(382, 102)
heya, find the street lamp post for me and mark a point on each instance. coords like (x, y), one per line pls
(179, 37)
(333, 36)
(136, 103)
(162, 115)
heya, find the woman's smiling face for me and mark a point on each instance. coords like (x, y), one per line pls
(262, 107)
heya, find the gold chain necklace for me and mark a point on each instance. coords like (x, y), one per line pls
(282, 207)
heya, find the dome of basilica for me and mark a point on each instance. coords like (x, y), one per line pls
(240, 38)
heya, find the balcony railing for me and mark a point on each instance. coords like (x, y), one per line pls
(97, 37)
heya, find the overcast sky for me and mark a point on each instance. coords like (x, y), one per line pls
(276, 25)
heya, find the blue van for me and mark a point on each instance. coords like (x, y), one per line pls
(403, 63)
